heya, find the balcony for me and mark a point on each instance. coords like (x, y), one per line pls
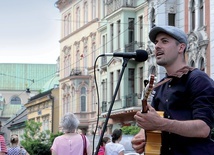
(133, 46)
(79, 71)
(131, 100)
(113, 5)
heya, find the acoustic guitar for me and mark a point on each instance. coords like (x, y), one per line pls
(153, 138)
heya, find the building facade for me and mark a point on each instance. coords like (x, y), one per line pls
(78, 50)
(123, 26)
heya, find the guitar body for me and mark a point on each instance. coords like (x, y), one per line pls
(153, 138)
(153, 141)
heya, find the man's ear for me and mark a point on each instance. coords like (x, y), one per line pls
(182, 47)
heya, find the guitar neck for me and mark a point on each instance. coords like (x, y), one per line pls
(146, 94)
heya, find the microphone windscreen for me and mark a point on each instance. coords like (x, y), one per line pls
(141, 55)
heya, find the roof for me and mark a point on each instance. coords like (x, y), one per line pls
(15, 76)
(52, 83)
(10, 109)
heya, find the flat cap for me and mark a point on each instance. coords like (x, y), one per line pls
(172, 31)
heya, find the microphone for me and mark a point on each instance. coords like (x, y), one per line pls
(139, 55)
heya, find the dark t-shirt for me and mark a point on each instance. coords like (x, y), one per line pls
(188, 97)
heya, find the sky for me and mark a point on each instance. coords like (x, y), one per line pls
(29, 31)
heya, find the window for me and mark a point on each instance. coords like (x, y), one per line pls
(93, 53)
(131, 30)
(78, 59)
(112, 37)
(15, 100)
(141, 30)
(171, 19)
(131, 81)
(85, 13)
(93, 9)
(118, 34)
(85, 56)
(73, 100)
(153, 17)
(66, 99)
(78, 18)
(67, 62)
(104, 9)
(201, 13)
(83, 99)
(193, 15)
(111, 84)
(65, 26)
(118, 93)
(104, 86)
(192, 63)
(141, 79)
(201, 64)
(104, 44)
(93, 99)
(69, 23)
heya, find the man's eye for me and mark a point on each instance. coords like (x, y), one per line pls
(164, 41)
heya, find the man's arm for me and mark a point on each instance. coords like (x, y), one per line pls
(190, 128)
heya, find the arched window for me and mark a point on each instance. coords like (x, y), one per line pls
(15, 100)
(201, 64)
(192, 63)
(83, 99)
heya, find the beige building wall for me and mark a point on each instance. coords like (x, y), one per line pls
(78, 50)
(40, 110)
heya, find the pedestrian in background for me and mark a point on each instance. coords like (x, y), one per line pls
(105, 140)
(114, 147)
(3, 149)
(70, 143)
(15, 149)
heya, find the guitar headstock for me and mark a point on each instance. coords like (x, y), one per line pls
(149, 87)
(147, 92)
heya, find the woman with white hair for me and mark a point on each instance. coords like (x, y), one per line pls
(70, 143)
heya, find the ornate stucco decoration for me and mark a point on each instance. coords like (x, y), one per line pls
(62, 4)
(197, 45)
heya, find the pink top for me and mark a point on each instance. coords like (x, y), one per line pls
(69, 144)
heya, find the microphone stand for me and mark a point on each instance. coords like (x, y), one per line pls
(125, 61)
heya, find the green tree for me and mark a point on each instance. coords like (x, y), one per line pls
(130, 130)
(35, 141)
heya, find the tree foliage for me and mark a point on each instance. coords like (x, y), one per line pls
(130, 130)
(35, 141)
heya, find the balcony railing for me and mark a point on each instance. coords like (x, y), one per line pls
(113, 5)
(133, 46)
(131, 100)
(77, 71)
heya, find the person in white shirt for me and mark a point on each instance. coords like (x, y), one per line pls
(114, 147)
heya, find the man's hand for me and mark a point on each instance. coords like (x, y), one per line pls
(139, 142)
(150, 120)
